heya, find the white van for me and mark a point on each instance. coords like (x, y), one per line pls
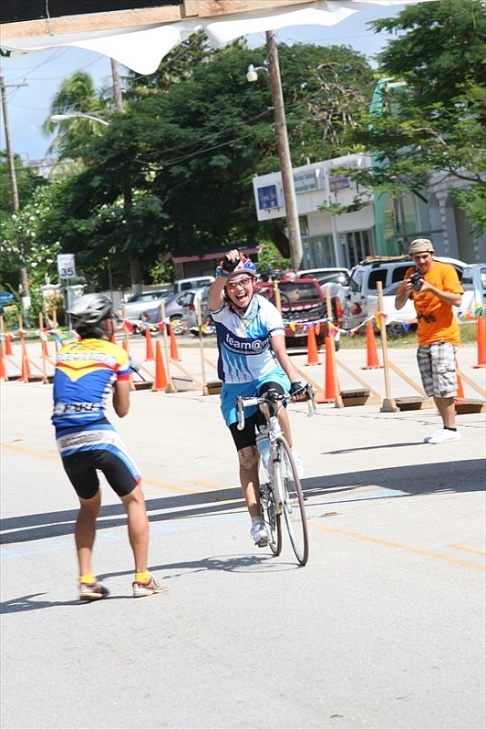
(364, 277)
(193, 283)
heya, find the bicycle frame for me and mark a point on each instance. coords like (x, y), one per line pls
(282, 493)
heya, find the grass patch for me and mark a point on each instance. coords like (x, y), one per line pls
(407, 339)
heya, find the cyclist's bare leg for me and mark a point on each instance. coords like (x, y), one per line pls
(85, 531)
(138, 527)
(250, 484)
(283, 418)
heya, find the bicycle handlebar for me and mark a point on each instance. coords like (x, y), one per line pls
(271, 398)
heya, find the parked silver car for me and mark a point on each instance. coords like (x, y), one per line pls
(138, 303)
(192, 299)
(172, 310)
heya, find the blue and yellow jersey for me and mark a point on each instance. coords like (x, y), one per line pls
(83, 380)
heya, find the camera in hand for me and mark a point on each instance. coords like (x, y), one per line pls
(417, 280)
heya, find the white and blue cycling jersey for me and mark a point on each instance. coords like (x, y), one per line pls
(246, 359)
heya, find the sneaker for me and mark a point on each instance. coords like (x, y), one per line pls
(442, 436)
(92, 591)
(146, 589)
(259, 533)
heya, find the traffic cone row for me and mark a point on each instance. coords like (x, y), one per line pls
(150, 348)
(481, 337)
(8, 345)
(25, 374)
(174, 354)
(372, 362)
(160, 382)
(459, 387)
(45, 347)
(312, 357)
(3, 369)
(331, 384)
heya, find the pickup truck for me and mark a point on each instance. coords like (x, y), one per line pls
(302, 301)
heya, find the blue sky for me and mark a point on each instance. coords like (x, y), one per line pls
(32, 80)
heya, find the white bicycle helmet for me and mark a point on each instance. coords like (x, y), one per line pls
(89, 310)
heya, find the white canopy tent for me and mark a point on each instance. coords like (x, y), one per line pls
(140, 39)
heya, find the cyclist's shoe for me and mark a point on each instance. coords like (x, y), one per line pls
(146, 589)
(259, 533)
(92, 591)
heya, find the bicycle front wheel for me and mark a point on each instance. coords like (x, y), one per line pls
(293, 500)
(272, 519)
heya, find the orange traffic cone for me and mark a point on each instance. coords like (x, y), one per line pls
(160, 382)
(8, 345)
(45, 348)
(174, 354)
(25, 374)
(331, 386)
(150, 349)
(372, 362)
(312, 357)
(481, 363)
(460, 389)
(3, 369)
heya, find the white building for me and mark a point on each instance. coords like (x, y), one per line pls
(328, 239)
(343, 238)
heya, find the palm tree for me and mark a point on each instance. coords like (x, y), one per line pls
(76, 95)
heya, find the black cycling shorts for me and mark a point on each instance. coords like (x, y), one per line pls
(83, 466)
(247, 437)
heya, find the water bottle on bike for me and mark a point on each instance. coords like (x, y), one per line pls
(263, 446)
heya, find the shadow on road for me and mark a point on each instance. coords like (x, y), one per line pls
(409, 480)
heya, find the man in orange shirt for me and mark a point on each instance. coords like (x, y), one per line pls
(435, 290)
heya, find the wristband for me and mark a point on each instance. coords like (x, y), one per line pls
(221, 272)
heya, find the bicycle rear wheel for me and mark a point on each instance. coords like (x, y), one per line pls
(293, 500)
(271, 518)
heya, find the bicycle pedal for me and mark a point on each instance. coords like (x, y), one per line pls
(262, 543)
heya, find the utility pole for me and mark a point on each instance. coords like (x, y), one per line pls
(295, 242)
(134, 263)
(14, 193)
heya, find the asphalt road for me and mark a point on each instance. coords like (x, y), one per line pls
(384, 628)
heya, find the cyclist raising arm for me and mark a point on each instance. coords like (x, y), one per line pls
(252, 359)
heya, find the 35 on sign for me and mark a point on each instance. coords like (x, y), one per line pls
(65, 266)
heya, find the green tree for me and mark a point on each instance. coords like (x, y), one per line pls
(23, 244)
(435, 121)
(77, 95)
(191, 142)
(27, 181)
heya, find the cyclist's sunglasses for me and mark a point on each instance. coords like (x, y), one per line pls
(244, 281)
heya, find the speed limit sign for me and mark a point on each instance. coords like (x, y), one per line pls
(65, 266)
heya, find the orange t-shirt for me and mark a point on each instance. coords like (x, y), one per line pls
(436, 319)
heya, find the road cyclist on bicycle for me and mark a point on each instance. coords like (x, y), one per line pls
(252, 359)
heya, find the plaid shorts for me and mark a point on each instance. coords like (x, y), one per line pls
(437, 365)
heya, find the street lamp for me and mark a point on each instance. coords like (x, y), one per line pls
(77, 115)
(295, 242)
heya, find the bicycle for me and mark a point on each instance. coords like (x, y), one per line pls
(281, 490)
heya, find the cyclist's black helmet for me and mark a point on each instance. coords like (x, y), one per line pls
(89, 311)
